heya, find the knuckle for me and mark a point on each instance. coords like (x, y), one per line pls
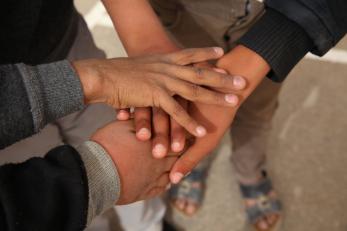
(157, 95)
(222, 80)
(159, 114)
(199, 73)
(185, 57)
(143, 122)
(157, 191)
(195, 91)
(178, 111)
(190, 122)
(217, 98)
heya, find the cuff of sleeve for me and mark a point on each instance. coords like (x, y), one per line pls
(54, 90)
(280, 41)
(103, 180)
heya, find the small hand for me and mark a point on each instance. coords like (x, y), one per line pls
(241, 61)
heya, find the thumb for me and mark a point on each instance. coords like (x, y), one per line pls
(187, 162)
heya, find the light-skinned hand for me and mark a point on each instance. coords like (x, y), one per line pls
(154, 81)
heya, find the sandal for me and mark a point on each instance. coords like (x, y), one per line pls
(189, 193)
(264, 205)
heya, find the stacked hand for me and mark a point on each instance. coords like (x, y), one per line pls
(154, 81)
(141, 175)
(144, 175)
(167, 131)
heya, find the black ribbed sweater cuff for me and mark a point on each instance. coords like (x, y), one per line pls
(280, 41)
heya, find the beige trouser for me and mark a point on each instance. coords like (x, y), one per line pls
(203, 23)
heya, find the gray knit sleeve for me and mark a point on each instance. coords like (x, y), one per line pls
(54, 90)
(32, 96)
(103, 179)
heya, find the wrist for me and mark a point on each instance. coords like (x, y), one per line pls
(246, 63)
(90, 80)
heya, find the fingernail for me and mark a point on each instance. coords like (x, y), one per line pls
(159, 151)
(121, 115)
(239, 82)
(231, 99)
(218, 50)
(219, 70)
(177, 177)
(144, 132)
(200, 131)
(176, 146)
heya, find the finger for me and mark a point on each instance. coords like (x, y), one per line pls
(168, 162)
(194, 55)
(154, 192)
(161, 128)
(210, 66)
(163, 181)
(142, 119)
(177, 131)
(157, 187)
(204, 65)
(205, 77)
(177, 112)
(123, 114)
(186, 163)
(199, 94)
(219, 70)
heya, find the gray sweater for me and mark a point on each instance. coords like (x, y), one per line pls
(31, 97)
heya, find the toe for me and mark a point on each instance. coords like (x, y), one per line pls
(262, 225)
(191, 209)
(180, 204)
(272, 219)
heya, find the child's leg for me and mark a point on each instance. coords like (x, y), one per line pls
(221, 23)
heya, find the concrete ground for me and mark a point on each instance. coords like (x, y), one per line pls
(307, 157)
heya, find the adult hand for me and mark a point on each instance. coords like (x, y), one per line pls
(141, 175)
(154, 80)
(168, 133)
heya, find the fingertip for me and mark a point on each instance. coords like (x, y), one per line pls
(176, 177)
(123, 115)
(159, 151)
(231, 99)
(219, 70)
(143, 134)
(176, 146)
(239, 82)
(219, 51)
(200, 131)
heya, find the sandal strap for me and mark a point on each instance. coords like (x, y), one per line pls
(254, 191)
(195, 195)
(196, 176)
(185, 190)
(254, 214)
(259, 210)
